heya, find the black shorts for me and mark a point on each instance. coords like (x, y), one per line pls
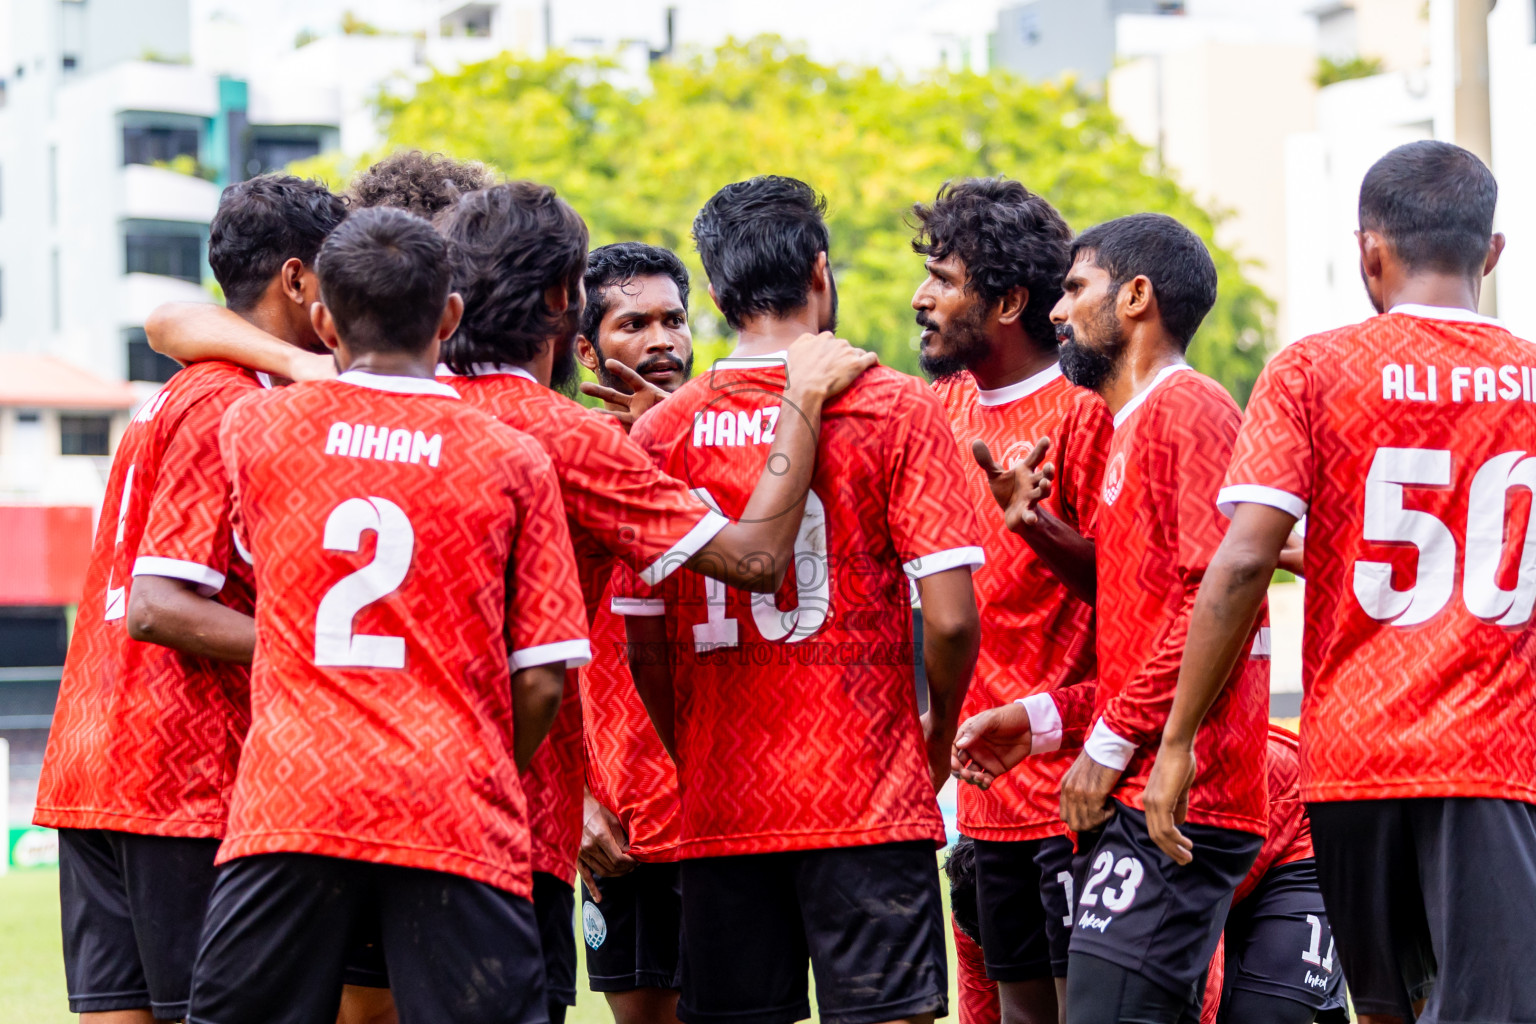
(1279, 943)
(1444, 886)
(280, 928)
(1023, 903)
(868, 919)
(1139, 910)
(634, 935)
(132, 908)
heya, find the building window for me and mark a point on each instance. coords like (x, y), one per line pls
(70, 62)
(149, 145)
(268, 154)
(173, 255)
(144, 363)
(85, 435)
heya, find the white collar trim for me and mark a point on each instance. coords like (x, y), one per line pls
(1022, 389)
(1451, 313)
(397, 385)
(769, 359)
(1135, 403)
(487, 370)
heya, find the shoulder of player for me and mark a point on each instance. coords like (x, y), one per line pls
(212, 381)
(1191, 390)
(879, 386)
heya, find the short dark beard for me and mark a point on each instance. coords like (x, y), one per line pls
(968, 340)
(1093, 368)
(564, 371)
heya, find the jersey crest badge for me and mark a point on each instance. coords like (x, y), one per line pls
(1114, 478)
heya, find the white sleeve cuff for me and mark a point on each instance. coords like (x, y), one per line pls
(1261, 644)
(1045, 727)
(693, 541)
(1228, 498)
(939, 561)
(209, 581)
(575, 653)
(639, 607)
(1108, 747)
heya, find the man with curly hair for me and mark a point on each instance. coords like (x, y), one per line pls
(421, 183)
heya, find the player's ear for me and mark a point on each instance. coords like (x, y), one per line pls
(1137, 297)
(821, 273)
(713, 297)
(453, 312)
(1370, 253)
(586, 354)
(1012, 304)
(292, 275)
(557, 299)
(325, 325)
(1495, 250)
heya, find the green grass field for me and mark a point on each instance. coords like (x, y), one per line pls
(32, 965)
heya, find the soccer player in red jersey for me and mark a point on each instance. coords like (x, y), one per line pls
(417, 605)
(145, 739)
(520, 253)
(1146, 927)
(809, 819)
(996, 256)
(636, 316)
(1402, 440)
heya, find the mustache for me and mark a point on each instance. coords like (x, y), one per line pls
(1065, 334)
(924, 320)
(659, 362)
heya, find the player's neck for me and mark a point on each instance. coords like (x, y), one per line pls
(1013, 358)
(1147, 355)
(392, 364)
(1447, 291)
(765, 335)
(272, 318)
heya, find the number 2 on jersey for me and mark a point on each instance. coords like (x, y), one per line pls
(335, 643)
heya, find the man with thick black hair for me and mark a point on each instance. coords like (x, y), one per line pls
(1402, 439)
(1145, 927)
(143, 747)
(996, 255)
(637, 312)
(807, 776)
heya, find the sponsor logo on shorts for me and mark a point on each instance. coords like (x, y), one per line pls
(1316, 980)
(593, 927)
(1091, 920)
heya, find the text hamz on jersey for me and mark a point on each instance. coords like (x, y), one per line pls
(1410, 383)
(362, 441)
(735, 428)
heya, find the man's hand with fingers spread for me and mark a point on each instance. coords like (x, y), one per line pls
(990, 743)
(1019, 490)
(604, 846)
(1085, 793)
(1167, 800)
(643, 394)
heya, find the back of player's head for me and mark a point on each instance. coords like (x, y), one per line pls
(758, 240)
(1434, 204)
(384, 279)
(1165, 252)
(421, 183)
(611, 265)
(262, 224)
(960, 866)
(511, 243)
(1007, 237)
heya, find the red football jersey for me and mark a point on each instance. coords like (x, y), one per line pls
(979, 1002)
(1289, 838)
(618, 506)
(1403, 441)
(796, 713)
(628, 770)
(1156, 532)
(145, 739)
(408, 549)
(1035, 636)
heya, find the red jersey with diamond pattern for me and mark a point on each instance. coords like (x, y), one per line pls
(796, 713)
(407, 549)
(618, 506)
(1406, 440)
(1156, 532)
(628, 769)
(1289, 838)
(1035, 636)
(145, 739)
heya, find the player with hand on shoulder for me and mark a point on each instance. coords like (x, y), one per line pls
(1403, 441)
(155, 696)
(996, 256)
(808, 813)
(1146, 925)
(417, 607)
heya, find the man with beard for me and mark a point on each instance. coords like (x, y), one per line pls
(996, 255)
(519, 257)
(807, 777)
(1146, 926)
(636, 319)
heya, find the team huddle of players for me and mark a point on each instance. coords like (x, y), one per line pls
(370, 667)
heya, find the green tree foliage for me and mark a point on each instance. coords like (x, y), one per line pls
(638, 164)
(1330, 71)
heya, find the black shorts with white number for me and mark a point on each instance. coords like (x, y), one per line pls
(1138, 909)
(1279, 943)
(1024, 906)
